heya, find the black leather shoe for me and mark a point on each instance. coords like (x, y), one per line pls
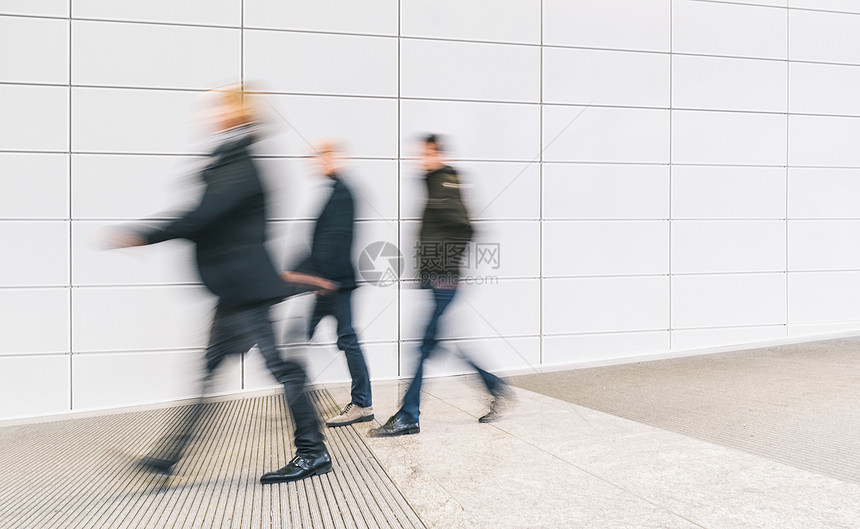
(155, 464)
(393, 427)
(299, 468)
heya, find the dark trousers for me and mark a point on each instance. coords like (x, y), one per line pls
(339, 305)
(235, 331)
(409, 409)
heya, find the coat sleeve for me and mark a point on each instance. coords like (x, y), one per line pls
(220, 198)
(334, 235)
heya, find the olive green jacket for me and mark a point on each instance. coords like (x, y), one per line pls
(445, 225)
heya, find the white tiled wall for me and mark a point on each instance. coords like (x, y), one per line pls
(216, 12)
(718, 83)
(153, 56)
(326, 64)
(468, 70)
(728, 138)
(35, 118)
(335, 16)
(368, 125)
(608, 24)
(603, 134)
(728, 29)
(586, 76)
(34, 49)
(660, 175)
(35, 186)
(484, 131)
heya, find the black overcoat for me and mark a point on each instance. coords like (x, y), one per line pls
(228, 227)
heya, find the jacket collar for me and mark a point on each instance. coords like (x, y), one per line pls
(446, 169)
(232, 141)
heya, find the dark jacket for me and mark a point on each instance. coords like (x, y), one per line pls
(445, 226)
(331, 250)
(229, 229)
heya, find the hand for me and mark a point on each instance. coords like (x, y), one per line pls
(324, 286)
(122, 239)
(327, 288)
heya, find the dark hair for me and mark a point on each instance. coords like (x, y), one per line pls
(435, 140)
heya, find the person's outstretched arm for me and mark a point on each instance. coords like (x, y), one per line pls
(220, 198)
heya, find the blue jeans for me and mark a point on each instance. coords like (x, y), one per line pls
(339, 305)
(409, 410)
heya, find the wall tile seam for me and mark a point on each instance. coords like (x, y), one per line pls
(58, 354)
(275, 221)
(285, 157)
(454, 160)
(393, 98)
(737, 3)
(501, 279)
(202, 347)
(412, 341)
(230, 26)
(788, 248)
(487, 338)
(785, 7)
(533, 103)
(675, 329)
(280, 346)
(847, 65)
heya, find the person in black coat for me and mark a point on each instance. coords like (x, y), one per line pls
(228, 228)
(331, 258)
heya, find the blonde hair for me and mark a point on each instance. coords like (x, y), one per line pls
(235, 104)
(326, 145)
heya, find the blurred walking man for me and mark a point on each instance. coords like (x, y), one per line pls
(331, 259)
(228, 228)
(445, 231)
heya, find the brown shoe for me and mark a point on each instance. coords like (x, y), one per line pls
(351, 414)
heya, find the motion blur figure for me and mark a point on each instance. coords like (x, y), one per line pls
(228, 227)
(331, 259)
(445, 225)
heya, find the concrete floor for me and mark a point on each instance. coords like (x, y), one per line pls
(553, 464)
(548, 464)
(796, 404)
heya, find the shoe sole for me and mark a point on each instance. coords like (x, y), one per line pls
(366, 418)
(318, 472)
(408, 431)
(156, 467)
